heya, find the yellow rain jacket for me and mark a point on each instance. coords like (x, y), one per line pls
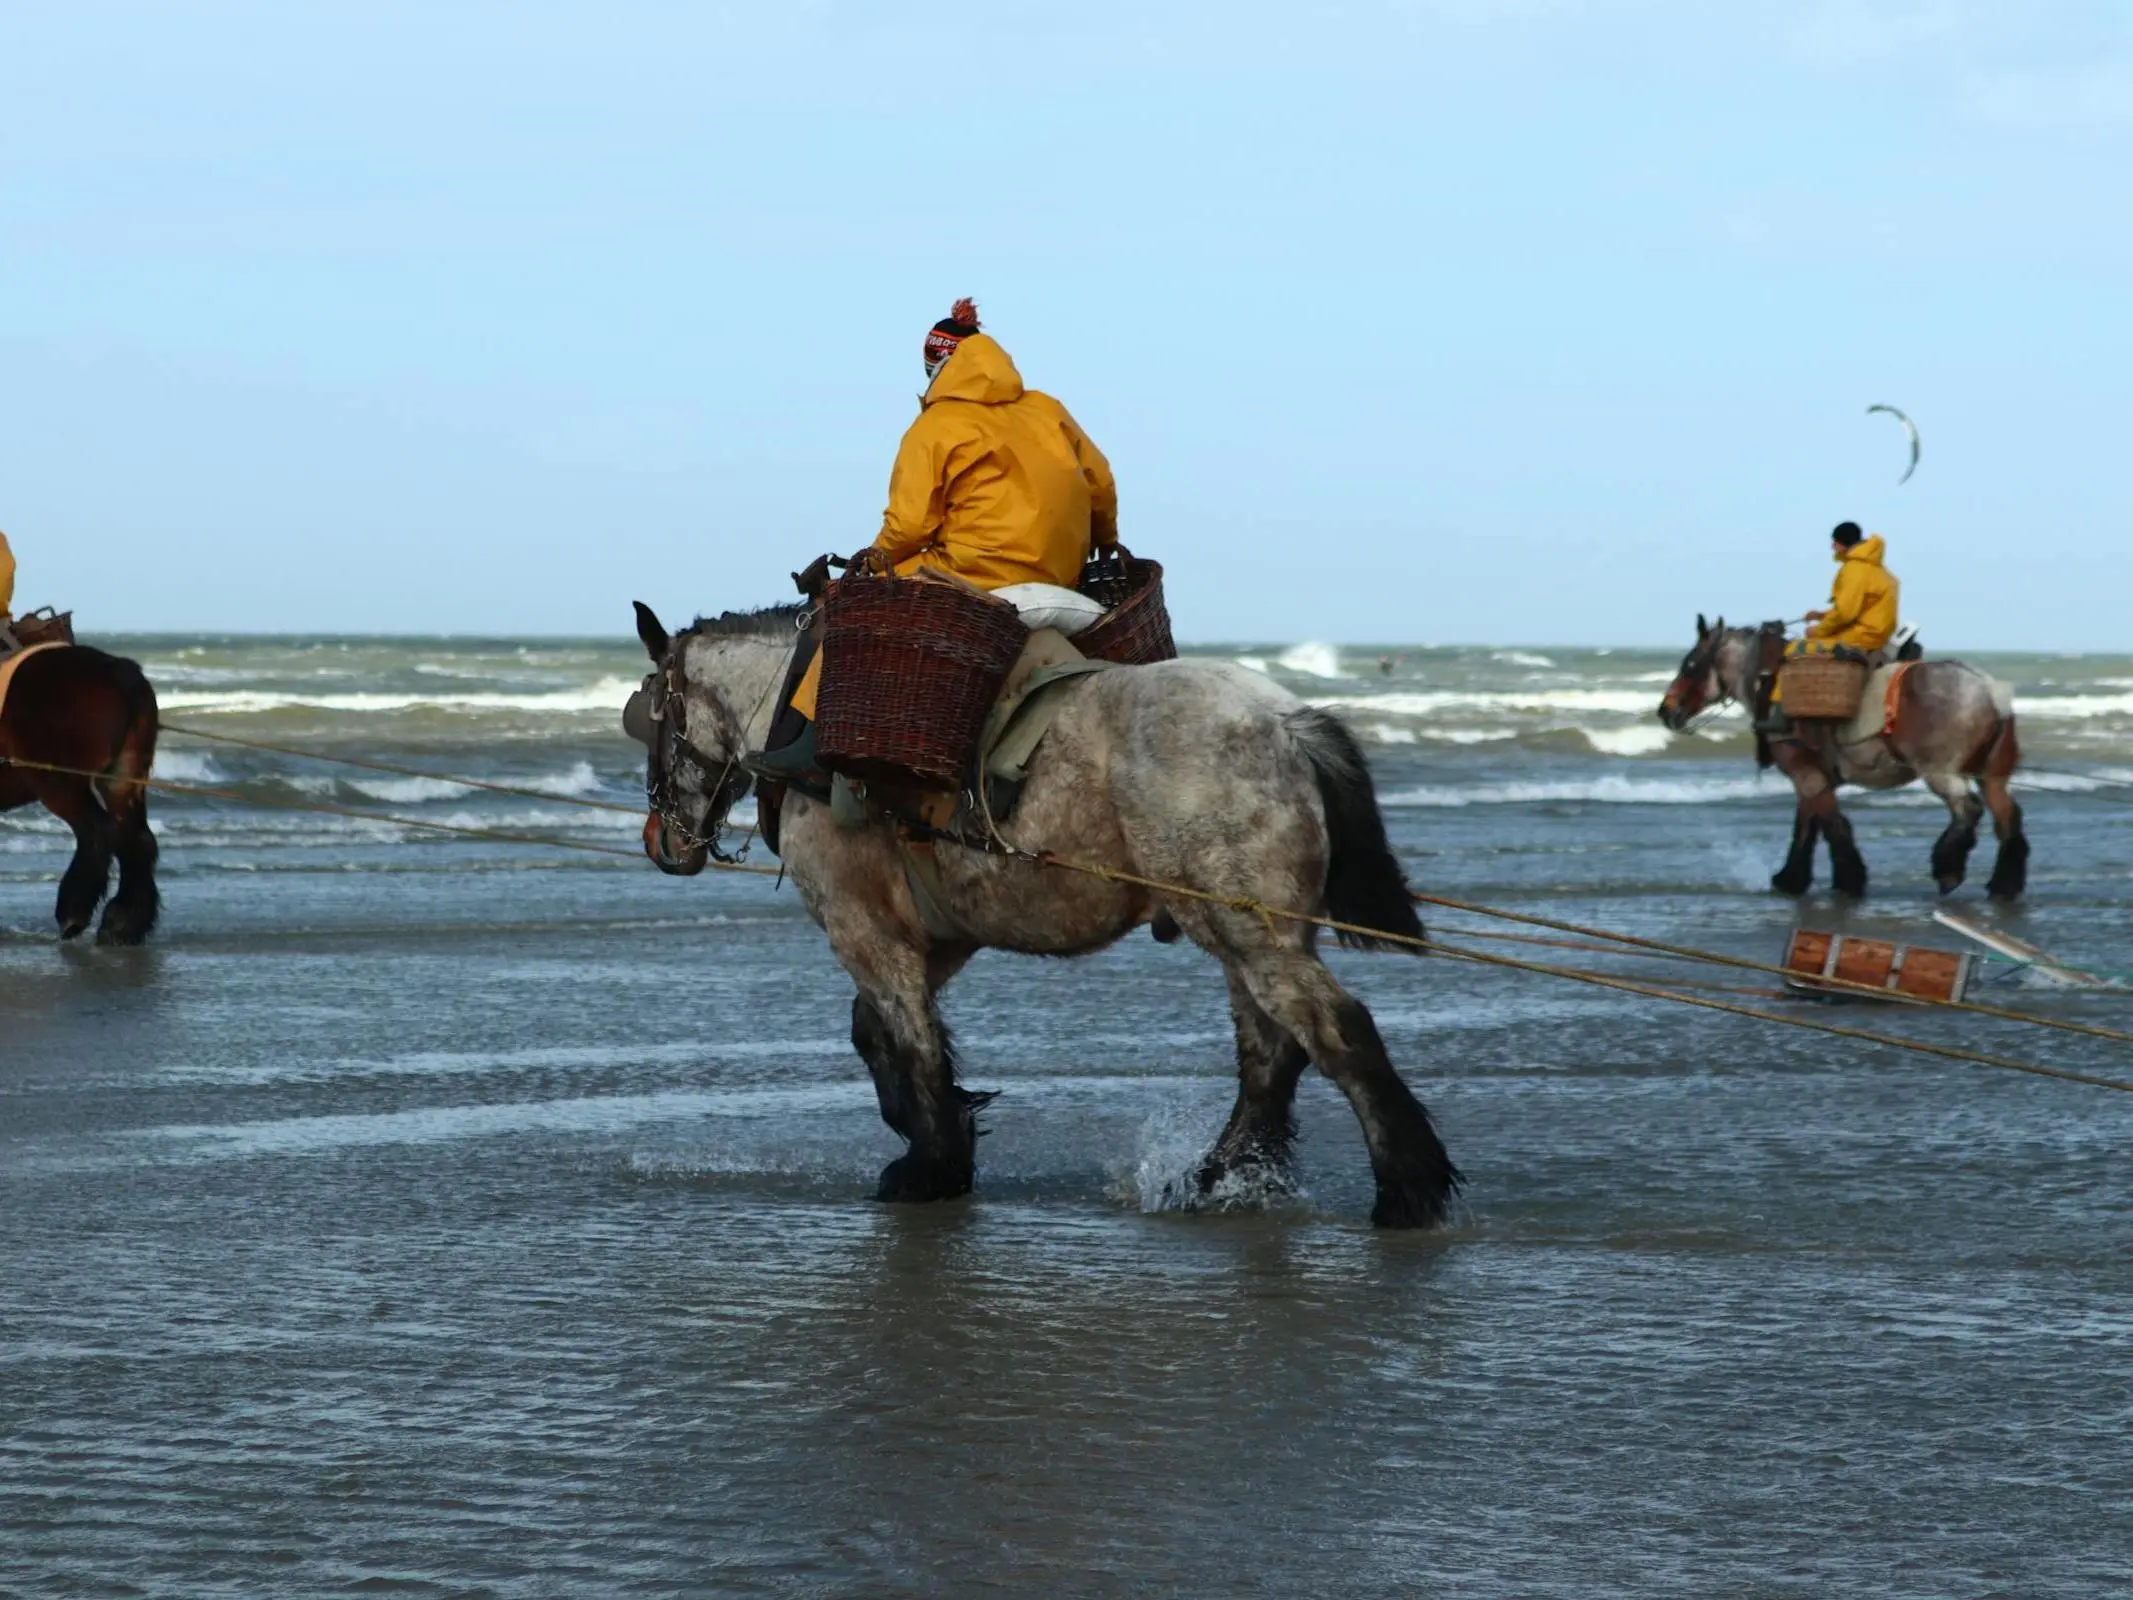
(7, 578)
(1862, 602)
(994, 483)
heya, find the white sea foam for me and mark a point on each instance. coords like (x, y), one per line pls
(1632, 741)
(1607, 789)
(603, 695)
(2074, 705)
(1313, 660)
(1437, 702)
(408, 791)
(1520, 658)
(185, 766)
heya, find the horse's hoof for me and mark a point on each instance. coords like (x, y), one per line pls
(1792, 883)
(1413, 1202)
(1223, 1182)
(1949, 882)
(911, 1179)
(72, 930)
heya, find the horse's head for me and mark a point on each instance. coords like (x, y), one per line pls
(1701, 681)
(693, 744)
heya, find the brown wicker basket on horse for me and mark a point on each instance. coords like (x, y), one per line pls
(1821, 686)
(910, 668)
(1135, 627)
(44, 627)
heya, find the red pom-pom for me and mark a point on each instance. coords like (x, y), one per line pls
(965, 311)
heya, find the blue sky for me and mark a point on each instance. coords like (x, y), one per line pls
(1432, 321)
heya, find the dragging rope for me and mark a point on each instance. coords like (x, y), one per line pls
(1607, 942)
(1680, 952)
(1430, 946)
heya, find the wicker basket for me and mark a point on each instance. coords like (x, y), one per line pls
(44, 627)
(1135, 627)
(910, 667)
(1821, 687)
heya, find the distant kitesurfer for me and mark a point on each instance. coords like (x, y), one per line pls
(1861, 615)
(994, 484)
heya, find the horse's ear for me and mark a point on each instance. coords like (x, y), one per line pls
(651, 631)
(1702, 627)
(1719, 626)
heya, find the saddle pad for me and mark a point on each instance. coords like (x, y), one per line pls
(7, 667)
(1876, 715)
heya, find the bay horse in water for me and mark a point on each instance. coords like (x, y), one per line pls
(1953, 730)
(76, 707)
(1190, 772)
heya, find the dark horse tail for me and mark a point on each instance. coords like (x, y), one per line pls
(1364, 884)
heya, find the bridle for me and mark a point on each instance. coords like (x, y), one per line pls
(667, 708)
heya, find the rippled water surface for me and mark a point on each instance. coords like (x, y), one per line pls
(425, 1216)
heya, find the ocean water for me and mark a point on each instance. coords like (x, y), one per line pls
(420, 1214)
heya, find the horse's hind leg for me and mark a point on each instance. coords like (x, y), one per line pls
(1415, 1177)
(2010, 871)
(88, 875)
(908, 1052)
(1262, 1126)
(131, 915)
(1951, 851)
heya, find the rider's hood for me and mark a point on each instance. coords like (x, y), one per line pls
(979, 371)
(1866, 550)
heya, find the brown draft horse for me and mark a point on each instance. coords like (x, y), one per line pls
(1954, 731)
(81, 709)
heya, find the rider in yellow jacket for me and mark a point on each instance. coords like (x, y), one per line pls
(994, 484)
(1862, 602)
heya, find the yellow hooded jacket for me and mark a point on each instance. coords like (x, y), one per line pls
(994, 483)
(7, 578)
(1862, 602)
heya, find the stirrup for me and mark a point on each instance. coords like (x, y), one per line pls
(789, 761)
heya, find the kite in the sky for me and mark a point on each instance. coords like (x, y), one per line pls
(1910, 431)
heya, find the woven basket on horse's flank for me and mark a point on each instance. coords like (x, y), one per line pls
(1821, 686)
(43, 627)
(910, 667)
(1135, 627)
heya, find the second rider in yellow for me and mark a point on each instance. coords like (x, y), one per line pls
(994, 484)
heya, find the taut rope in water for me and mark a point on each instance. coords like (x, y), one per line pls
(1627, 985)
(1257, 908)
(1840, 985)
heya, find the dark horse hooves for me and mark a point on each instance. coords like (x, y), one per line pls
(1243, 1180)
(1792, 883)
(1421, 1198)
(911, 1178)
(1411, 1204)
(2010, 874)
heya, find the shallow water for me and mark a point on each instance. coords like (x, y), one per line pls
(435, 1217)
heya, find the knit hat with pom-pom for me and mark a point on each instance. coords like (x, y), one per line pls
(960, 323)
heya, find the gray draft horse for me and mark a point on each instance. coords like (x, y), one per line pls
(1188, 772)
(1954, 730)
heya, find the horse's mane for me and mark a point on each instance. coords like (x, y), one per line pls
(762, 623)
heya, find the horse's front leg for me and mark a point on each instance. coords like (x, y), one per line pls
(900, 1036)
(1818, 814)
(1797, 875)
